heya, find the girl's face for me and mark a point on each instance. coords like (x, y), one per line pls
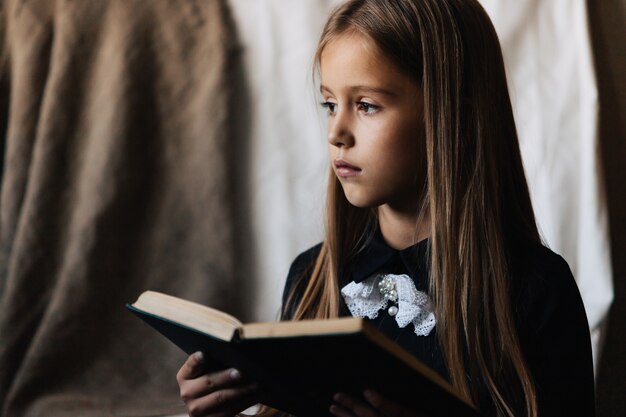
(375, 123)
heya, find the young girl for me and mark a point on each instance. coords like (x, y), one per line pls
(430, 231)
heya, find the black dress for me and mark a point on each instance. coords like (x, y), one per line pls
(549, 313)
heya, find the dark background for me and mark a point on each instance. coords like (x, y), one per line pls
(608, 31)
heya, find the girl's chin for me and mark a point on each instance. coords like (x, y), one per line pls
(361, 201)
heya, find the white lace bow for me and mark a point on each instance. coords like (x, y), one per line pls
(365, 300)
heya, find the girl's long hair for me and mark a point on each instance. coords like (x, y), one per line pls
(476, 192)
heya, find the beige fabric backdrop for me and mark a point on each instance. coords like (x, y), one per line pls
(116, 180)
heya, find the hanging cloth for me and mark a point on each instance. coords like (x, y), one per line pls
(116, 136)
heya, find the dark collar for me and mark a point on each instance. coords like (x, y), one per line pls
(377, 255)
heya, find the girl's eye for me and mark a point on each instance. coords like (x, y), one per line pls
(368, 108)
(331, 108)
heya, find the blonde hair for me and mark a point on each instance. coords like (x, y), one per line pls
(475, 192)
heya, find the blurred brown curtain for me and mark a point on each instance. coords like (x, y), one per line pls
(115, 117)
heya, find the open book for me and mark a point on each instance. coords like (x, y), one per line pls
(300, 365)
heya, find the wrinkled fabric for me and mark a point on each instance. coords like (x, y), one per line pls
(552, 85)
(115, 180)
(546, 46)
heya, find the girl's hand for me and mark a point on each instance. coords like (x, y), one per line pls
(371, 405)
(217, 394)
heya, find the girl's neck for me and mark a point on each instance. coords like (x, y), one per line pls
(400, 229)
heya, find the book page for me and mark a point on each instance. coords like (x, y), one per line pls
(196, 316)
(302, 328)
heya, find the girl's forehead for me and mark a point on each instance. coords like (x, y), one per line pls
(355, 59)
(353, 44)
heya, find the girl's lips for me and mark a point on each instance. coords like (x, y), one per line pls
(344, 169)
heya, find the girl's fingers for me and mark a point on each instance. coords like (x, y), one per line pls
(206, 384)
(214, 394)
(339, 411)
(386, 407)
(353, 407)
(225, 402)
(192, 367)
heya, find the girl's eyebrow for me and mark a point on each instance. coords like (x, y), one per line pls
(362, 89)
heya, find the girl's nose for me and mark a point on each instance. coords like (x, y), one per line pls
(339, 132)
